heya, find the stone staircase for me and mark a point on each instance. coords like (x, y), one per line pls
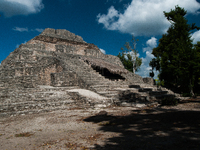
(120, 92)
(41, 99)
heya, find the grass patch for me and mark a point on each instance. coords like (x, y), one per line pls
(26, 134)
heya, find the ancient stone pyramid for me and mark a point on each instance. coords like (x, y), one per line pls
(59, 58)
(40, 75)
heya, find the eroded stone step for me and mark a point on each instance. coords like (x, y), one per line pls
(35, 111)
(152, 93)
(29, 99)
(99, 86)
(134, 86)
(90, 76)
(32, 105)
(111, 95)
(55, 94)
(108, 92)
(145, 89)
(121, 89)
(133, 104)
(159, 97)
(44, 88)
(108, 87)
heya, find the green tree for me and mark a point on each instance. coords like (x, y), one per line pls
(175, 55)
(197, 68)
(129, 56)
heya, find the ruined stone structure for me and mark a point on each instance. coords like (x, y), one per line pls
(41, 74)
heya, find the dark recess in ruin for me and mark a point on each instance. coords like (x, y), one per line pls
(107, 74)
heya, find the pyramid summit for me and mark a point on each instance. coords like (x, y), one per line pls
(49, 71)
(62, 34)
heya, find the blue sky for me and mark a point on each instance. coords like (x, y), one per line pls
(105, 23)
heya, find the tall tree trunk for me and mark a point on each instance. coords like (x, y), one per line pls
(191, 89)
(134, 67)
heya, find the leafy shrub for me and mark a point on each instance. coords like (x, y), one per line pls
(159, 82)
(169, 101)
(186, 95)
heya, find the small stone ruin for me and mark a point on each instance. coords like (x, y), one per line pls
(57, 68)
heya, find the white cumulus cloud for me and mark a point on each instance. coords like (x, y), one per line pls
(109, 18)
(19, 29)
(151, 43)
(103, 51)
(145, 68)
(144, 17)
(20, 7)
(196, 37)
(38, 30)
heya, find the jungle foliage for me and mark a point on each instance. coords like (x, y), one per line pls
(176, 58)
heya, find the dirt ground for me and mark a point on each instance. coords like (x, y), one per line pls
(115, 128)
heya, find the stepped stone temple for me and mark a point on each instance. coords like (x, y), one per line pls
(57, 68)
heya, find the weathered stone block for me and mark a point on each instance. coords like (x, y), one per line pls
(149, 81)
(64, 79)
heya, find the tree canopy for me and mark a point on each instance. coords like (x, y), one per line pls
(176, 58)
(129, 56)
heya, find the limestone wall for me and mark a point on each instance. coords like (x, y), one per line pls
(64, 79)
(19, 82)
